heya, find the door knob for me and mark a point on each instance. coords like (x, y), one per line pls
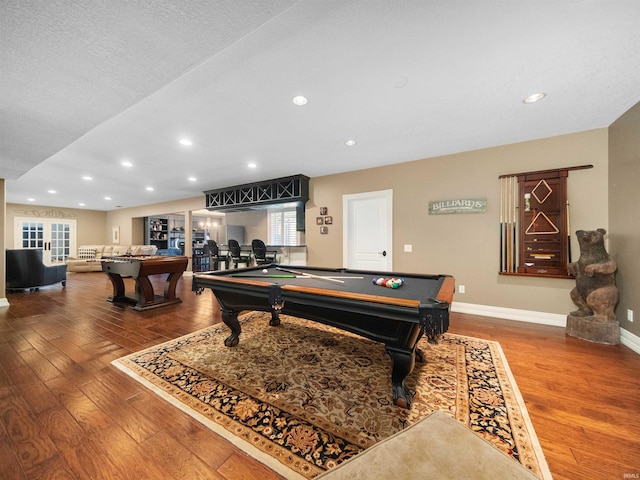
(384, 253)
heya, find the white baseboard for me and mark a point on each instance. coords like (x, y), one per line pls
(554, 319)
(4, 302)
(630, 340)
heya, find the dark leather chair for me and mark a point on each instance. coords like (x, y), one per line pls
(261, 254)
(215, 256)
(236, 255)
(26, 270)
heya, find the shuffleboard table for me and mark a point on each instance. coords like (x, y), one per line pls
(139, 268)
(343, 298)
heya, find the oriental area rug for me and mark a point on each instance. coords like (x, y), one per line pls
(303, 397)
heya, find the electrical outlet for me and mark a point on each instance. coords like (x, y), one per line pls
(629, 314)
(408, 248)
(461, 289)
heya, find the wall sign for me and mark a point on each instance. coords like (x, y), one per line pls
(466, 205)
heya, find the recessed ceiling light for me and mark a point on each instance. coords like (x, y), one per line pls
(186, 142)
(126, 163)
(31, 199)
(52, 191)
(87, 177)
(300, 100)
(149, 189)
(192, 179)
(252, 165)
(81, 204)
(536, 97)
(107, 198)
(350, 142)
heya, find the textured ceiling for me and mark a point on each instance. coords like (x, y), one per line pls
(87, 84)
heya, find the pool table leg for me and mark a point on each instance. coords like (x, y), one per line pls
(230, 319)
(275, 318)
(403, 363)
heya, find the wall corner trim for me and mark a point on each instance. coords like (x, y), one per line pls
(4, 302)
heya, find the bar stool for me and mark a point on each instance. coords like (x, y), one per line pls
(261, 254)
(214, 256)
(236, 255)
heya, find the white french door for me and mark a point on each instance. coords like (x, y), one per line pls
(368, 231)
(56, 238)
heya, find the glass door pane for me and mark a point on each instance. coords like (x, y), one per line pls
(59, 242)
(55, 238)
(32, 235)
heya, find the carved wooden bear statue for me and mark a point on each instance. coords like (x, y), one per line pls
(595, 293)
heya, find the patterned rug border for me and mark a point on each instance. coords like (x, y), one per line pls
(245, 446)
(535, 443)
(279, 467)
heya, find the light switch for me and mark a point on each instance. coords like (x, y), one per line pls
(408, 248)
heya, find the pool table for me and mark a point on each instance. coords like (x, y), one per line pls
(343, 298)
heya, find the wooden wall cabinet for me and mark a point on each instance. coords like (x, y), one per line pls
(535, 233)
(543, 237)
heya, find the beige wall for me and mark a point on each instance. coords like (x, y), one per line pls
(467, 246)
(624, 218)
(91, 224)
(131, 220)
(254, 221)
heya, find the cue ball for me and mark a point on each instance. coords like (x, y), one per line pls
(265, 271)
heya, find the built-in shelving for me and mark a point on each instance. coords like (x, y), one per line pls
(158, 230)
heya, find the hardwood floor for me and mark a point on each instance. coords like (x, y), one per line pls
(65, 412)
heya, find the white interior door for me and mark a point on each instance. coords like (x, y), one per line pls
(56, 238)
(368, 230)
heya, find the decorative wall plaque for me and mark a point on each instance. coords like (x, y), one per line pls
(467, 205)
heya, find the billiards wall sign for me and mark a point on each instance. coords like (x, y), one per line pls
(463, 205)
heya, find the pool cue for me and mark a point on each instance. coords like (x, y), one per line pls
(501, 220)
(310, 275)
(568, 235)
(244, 275)
(508, 222)
(329, 276)
(516, 191)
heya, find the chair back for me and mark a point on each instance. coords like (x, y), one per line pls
(214, 251)
(24, 268)
(259, 249)
(234, 248)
